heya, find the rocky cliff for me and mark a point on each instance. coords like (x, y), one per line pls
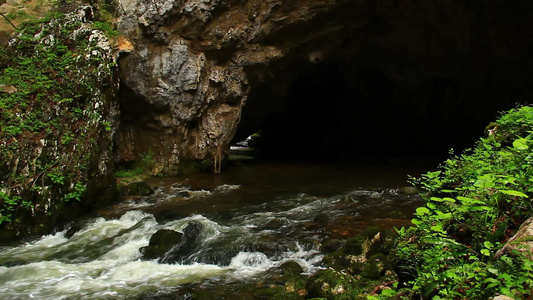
(58, 115)
(317, 75)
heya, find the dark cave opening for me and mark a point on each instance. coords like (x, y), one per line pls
(339, 111)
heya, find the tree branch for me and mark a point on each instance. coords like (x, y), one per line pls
(9, 21)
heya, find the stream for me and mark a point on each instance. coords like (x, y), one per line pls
(252, 218)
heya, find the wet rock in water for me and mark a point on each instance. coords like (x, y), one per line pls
(269, 245)
(331, 245)
(186, 247)
(161, 242)
(312, 226)
(13, 263)
(318, 223)
(139, 188)
(144, 200)
(72, 230)
(292, 268)
(322, 219)
(219, 258)
(395, 214)
(183, 194)
(276, 223)
(409, 190)
(168, 215)
(192, 231)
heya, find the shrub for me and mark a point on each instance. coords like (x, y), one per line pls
(474, 203)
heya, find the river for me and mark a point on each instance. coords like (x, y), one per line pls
(253, 218)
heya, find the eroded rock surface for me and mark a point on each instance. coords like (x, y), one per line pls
(521, 243)
(62, 165)
(200, 68)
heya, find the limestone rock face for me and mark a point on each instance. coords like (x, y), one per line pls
(56, 156)
(199, 68)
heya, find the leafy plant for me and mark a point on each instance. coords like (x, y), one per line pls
(474, 202)
(52, 127)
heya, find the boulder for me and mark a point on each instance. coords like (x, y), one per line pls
(329, 284)
(189, 242)
(331, 245)
(62, 166)
(292, 268)
(275, 223)
(160, 243)
(139, 188)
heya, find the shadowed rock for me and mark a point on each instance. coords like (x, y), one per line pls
(189, 243)
(161, 242)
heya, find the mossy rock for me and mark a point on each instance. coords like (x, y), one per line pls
(139, 188)
(371, 231)
(291, 268)
(331, 245)
(409, 190)
(371, 270)
(354, 246)
(384, 243)
(277, 293)
(330, 284)
(61, 167)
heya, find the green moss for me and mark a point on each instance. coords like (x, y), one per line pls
(329, 284)
(55, 128)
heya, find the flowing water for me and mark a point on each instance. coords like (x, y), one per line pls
(252, 219)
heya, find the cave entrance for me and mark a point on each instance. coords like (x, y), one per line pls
(336, 110)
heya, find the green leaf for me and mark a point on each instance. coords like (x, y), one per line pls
(416, 221)
(469, 201)
(493, 271)
(438, 227)
(520, 144)
(422, 211)
(448, 199)
(388, 292)
(488, 245)
(507, 260)
(514, 193)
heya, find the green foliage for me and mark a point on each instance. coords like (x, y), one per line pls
(50, 126)
(474, 202)
(141, 167)
(107, 27)
(129, 173)
(8, 205)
